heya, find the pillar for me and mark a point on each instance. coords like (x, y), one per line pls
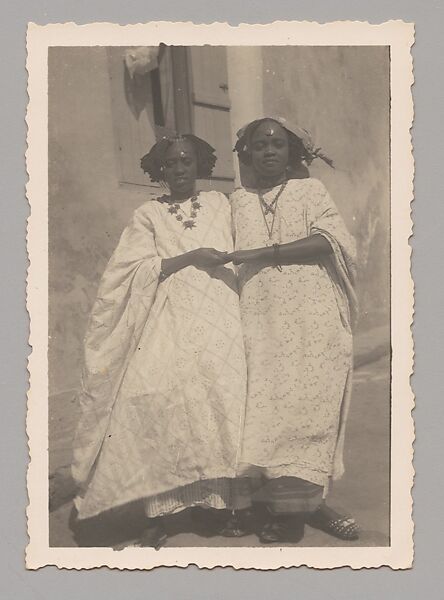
(246, 92)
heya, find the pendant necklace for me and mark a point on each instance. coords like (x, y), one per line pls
(176, 209)
(270, 207)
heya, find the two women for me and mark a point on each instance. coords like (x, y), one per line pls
(165, 412)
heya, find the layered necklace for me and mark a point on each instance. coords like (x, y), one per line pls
(188, 220)
(270, 208)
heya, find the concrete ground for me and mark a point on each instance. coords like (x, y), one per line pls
(362, 492)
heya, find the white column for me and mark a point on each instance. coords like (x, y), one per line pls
(245, 89)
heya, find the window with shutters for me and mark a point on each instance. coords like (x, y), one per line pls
(177, 88)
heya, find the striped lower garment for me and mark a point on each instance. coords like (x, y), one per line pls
(210, 493)
(282, 495)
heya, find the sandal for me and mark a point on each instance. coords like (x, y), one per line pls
(238, 524)
(341, 527)
(283, 530)
(153, 537)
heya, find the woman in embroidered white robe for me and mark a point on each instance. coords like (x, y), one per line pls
(296, 275)
(164, 378)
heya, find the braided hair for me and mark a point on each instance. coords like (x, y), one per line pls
(153, 162)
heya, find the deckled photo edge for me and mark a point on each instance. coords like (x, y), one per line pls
(400, 36)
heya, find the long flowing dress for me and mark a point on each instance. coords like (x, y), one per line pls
(164, 378)
(297, 328)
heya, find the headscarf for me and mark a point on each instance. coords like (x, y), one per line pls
(300, 141)
(152, 162)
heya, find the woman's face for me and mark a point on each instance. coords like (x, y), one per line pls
(269, 149)
(180, 167)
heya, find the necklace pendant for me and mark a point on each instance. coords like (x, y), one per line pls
(270, 208)
(187, 220)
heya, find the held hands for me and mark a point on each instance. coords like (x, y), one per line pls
(205, 258)
(241, 256)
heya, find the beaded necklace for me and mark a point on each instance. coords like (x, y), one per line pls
(175, 209)
(270, 207)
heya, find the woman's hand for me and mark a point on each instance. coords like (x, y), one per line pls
(242, 256)
(205, 258)
(202, 258)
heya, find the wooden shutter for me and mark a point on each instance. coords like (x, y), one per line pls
(134, 113)
(210, 110)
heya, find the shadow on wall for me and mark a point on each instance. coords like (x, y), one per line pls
(374, 260)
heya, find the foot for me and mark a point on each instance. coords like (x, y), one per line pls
(283, 529)
(238, 524)
(153, 536)
(207, 521)
(335, 524)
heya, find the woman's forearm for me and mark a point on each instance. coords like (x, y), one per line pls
(175, 263)
(306, 250)
(311, 248)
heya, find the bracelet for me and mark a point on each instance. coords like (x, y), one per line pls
(277, 257)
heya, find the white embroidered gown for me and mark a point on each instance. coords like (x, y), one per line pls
(297, 335)
(164, 381)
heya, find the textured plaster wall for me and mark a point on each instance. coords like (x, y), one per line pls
(341, 95)
(87, 207)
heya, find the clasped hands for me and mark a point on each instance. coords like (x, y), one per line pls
(210, 257)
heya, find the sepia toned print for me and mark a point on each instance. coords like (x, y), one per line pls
(220, 295)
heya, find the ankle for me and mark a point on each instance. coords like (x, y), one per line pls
(154, 522)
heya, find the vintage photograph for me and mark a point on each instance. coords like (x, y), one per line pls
(220, 303)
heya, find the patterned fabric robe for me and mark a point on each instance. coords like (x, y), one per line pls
(298, 336)
(164, 378)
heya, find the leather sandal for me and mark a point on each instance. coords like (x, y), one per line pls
(238, 524)
(282, 530)
(341, 527)
(153, 537)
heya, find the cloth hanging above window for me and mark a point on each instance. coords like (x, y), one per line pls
(141, 60)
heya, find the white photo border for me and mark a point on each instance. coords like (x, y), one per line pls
(400, 37)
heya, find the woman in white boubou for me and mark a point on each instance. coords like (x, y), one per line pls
(296, 275)
(164, 378)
